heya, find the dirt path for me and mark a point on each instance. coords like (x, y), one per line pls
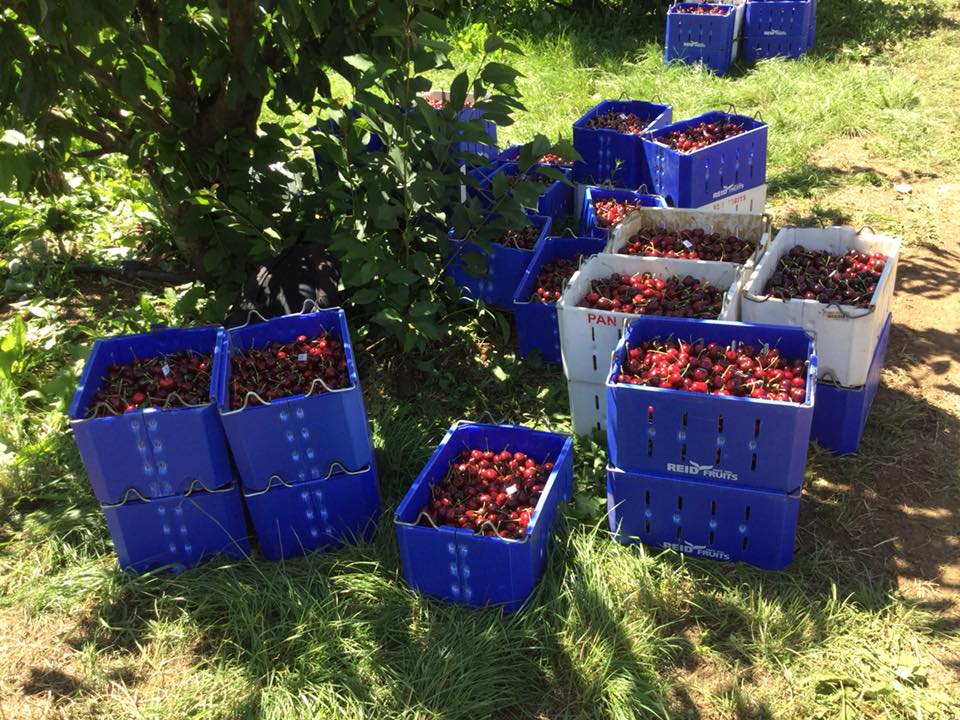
(901, 497)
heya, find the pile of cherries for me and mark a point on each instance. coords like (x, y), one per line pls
(306, 366)
(628, 123)
(700, 136)
(180, 379)
(554, 159)
(647, 294)
(520, 238)
(552, 278)
(848, 279)
(488, 493)
(699, 10)
(690, 244)
(735, 369)
(612, 212)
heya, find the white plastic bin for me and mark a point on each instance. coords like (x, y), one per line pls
(846, 336)
(588, 407)
(741, 225)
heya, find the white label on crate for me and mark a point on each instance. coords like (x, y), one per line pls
(595, 319)
(302, 357)
(690, 549)
(699, 470)
(511, 490)
(694, 43)
(165, 369)
(775, 32)
(687, 244)
(727, 189)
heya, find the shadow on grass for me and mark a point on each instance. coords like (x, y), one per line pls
(342, 624)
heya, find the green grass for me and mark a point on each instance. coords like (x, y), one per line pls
(612, 631)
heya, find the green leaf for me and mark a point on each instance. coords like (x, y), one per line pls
(458, 91)
(360, 62)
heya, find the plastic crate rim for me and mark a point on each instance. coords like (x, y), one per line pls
(616, 364)
(709, 116)
(223, 346)
(580, 123)
(276, 480)
(565, 450)
(73, 411)
(729, 8)
(196, 488)
(583, 259)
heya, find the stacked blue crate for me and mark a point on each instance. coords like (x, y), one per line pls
(466, 567)
(306, 462)
(590, 225)
(504, 266)
(164, 478)
(611, 156)
(710, 475)
(701, 38)
(537, 328)
(778, 28)
(841, 413)
(698, 178)
(556, 200)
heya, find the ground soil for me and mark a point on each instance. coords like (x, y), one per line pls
(911, 497)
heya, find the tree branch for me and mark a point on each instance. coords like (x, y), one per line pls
(149, 113)
(150, 17)
(107, 141)
(217, 117)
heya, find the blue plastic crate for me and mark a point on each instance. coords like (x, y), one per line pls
(556, 201)
(740, 441)
(703, 519)
(292, 520)
(178, 532)
(759, 48)
(505, 267)
(812, 26)
(697, 178)
(841, 413)
(296, 438)
(608, 155)
(706, 39)
(151, 452)
(472, 569)
(537, 327)
(777, 18)
(589, 225)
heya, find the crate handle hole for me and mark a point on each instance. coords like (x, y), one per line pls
(753, 462)
(646, 526)
(713, 507)
(683, 418)
(720, 424)
(650, 414)
(593, 334)
(746, 514)
(679, 502)
(596, 402)
(594, 363)
(756, 427)
(710, 542)
(649, 451)
(679, 533)
(743, 543)
(683, 451)
(716, 460)
(646, 497)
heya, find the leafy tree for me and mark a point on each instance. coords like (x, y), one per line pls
(210, 99)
